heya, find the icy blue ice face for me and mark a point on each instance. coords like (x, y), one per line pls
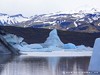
(53, 40)
(69, 46)
(53, 43)
(95, 59)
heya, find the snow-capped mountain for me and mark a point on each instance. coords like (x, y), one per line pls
(63, 20)
(6, 19)
(59, 20)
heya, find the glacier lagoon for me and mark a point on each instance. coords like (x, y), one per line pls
(52, 44)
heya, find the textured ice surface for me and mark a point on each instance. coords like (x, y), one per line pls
(53, 40)
(95, 59)
(69, 46)
(82, 47)
(53, 43)
(11, 38)
(33, 46)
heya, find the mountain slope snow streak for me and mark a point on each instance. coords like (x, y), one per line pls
(5, 19)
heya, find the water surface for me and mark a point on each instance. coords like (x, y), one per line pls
(28, 65)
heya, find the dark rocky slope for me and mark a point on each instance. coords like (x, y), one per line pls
(38, 35)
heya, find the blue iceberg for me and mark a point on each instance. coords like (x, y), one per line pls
(69, 46)
(53, 43)
(95, 59)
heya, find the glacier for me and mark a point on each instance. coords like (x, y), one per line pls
(53, 43)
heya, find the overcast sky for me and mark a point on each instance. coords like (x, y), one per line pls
(32, 7)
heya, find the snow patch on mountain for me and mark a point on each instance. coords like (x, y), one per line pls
(61, 20)
(6, 19)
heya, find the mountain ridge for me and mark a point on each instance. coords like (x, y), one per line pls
(59, 20)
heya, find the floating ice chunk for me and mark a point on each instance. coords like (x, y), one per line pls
(53, 43)
(23, 43)
(69, 46)
(11, 38)
(53, 40)
(81, 47)
(33, 46)
(27, 49)
(53, 48)
(18, 46)
(95, 59)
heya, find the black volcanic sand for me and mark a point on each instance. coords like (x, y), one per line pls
(39, 35)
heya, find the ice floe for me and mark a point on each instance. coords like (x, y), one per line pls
(53, 43)
(69, 46)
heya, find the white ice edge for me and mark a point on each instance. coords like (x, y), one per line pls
(59, 54)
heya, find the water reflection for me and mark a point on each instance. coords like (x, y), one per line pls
(53, 63)
(26, 66)
(4, 59)
(22, 65)
(73, 66)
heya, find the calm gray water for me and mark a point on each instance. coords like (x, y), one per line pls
(28, 65)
